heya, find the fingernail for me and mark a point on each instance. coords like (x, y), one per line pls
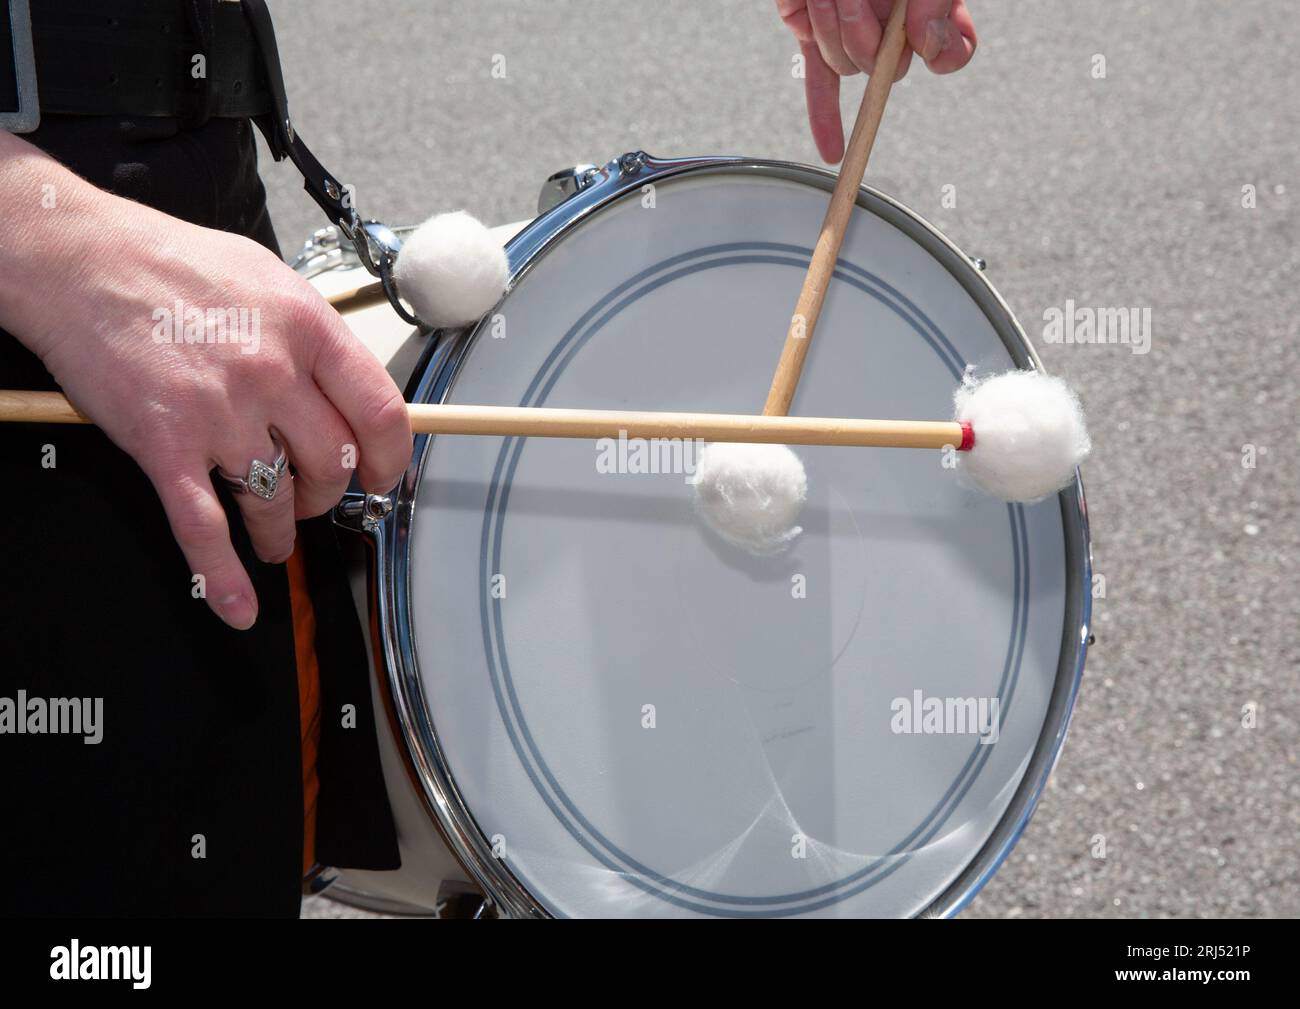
(936, 39)
(238, 610)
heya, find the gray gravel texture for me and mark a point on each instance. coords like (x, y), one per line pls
(1125, 190)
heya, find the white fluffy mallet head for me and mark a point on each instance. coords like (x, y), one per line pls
(751, 494)
(1029, 434)
(451, 270)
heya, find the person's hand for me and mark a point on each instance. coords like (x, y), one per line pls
(840, 38)
(181, 408)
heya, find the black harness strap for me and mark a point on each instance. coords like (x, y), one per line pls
(375, 244)
(278, 129)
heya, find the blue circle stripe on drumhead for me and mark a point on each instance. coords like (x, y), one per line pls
(508, 704)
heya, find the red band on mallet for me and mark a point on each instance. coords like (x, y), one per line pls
(967, 437)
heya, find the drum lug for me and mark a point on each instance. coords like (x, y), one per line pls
(560, 186)
(324, 239)
(571, 181)
(322, 242)
(632, 162)
(362, 513)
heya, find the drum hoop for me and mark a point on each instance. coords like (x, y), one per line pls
(433, 381)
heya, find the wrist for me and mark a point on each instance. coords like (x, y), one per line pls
(56, 225)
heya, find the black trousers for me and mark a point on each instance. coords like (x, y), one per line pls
(192, 802)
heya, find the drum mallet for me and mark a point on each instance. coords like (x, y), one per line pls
(1019, 435)
(752, 495)
(839, 212)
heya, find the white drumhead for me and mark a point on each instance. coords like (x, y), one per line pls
(649, 721)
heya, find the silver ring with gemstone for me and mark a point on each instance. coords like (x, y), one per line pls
(263, 478)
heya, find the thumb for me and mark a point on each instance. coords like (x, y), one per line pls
(942, 33)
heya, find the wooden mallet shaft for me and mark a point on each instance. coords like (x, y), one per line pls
(821, 268)
(546, 422)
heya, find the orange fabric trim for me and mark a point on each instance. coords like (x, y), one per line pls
(304, 640)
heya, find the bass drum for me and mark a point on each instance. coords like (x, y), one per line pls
(593, 706)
